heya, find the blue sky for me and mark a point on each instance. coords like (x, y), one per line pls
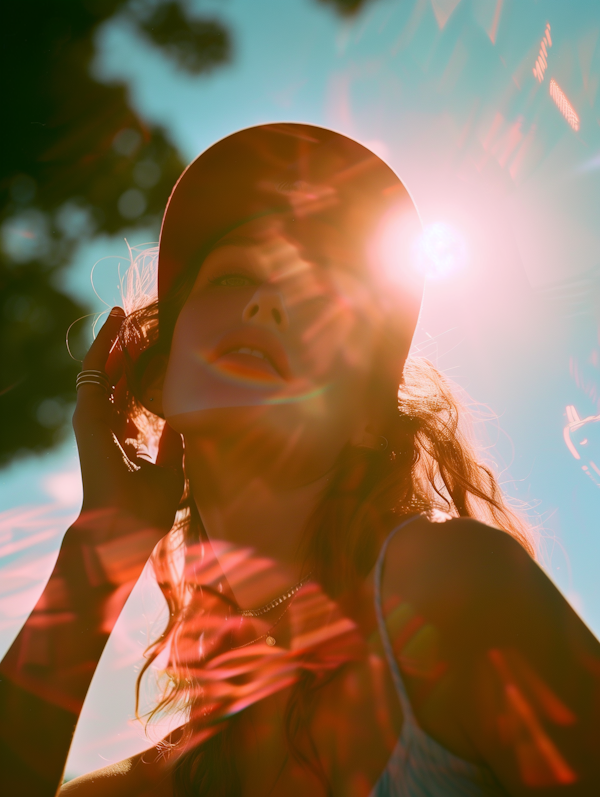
(445, 91)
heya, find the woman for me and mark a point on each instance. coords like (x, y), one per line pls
(331, 630)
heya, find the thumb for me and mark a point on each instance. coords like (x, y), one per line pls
(170, 450)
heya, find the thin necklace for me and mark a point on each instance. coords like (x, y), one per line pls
(268, 636)
(275, 602)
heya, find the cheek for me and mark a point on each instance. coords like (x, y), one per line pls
(338, 361)
(198, 328)
(204, 319)
(201, 324)
(338, 343)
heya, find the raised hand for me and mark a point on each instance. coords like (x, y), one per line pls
(129, 502)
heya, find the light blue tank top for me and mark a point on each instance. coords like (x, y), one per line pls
(420, 766)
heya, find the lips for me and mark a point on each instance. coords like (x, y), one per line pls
(254, 349)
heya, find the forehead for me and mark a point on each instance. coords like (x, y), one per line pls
(313, 239)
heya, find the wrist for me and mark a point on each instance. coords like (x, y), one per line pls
(107, 549)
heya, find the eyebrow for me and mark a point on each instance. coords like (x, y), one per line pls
(234, 240)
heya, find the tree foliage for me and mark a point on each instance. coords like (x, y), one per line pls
(75, 161)
(347, 8)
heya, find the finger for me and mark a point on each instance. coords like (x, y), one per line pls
(170, 450)
(94, 414)
(93, 398)
(98, 353)
(115, 364)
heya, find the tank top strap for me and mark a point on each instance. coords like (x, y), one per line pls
(409, 718)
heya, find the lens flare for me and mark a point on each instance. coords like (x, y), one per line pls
(542, 59)
(390, 249)
(563, 105)
(439, 251)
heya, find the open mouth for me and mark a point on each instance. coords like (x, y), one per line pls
(247, 359)
(252, 353)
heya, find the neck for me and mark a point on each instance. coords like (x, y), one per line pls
(264, 509)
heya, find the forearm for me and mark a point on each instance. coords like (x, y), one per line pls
(45, 675)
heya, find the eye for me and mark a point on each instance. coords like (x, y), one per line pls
(232, 281)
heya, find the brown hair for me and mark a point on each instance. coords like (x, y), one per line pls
(430, 464)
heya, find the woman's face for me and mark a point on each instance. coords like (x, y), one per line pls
(278, 331)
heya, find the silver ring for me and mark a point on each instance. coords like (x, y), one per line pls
(93, 377)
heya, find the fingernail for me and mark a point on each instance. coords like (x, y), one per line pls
(117, 311)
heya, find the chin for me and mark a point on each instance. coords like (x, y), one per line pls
(209, 421)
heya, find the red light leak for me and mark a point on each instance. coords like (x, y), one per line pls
(542, 59)
(563, 104)
(528, 699)
(494, 29)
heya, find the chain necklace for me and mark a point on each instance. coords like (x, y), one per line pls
(275, 602)
(268, 636)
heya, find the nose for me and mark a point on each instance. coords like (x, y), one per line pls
(267, 308)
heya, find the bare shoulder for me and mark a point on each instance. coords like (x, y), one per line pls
(463, 585)
(427, 559)
(142, 775)
(483, 591)
(520, 669)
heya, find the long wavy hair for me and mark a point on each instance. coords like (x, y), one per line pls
(431, 464)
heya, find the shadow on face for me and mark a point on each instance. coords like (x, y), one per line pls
(277, 335)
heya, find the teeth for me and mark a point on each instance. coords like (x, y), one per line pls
(253, 352)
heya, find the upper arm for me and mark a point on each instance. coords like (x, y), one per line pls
(521, 671)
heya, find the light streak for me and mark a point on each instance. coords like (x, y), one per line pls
(443, 10)
(574, 436)
(528, 701)
(563, 105)
(494, 29)
(542, 60)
